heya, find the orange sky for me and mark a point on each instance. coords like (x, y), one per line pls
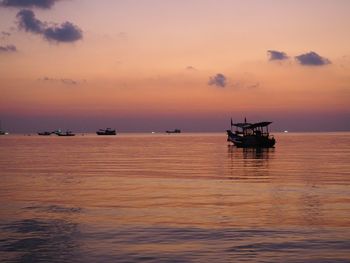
(154, 60)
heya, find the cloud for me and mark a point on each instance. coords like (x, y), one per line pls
(122, 35)
(66, 32)
(244, 84)
(312, 59)
(253, 86)
(69, 81)
(46, 4)
(8, 49)
(219, 80)
(5, 34)
(28, 22)
(190, 68)
(277, 55)
(65, 81)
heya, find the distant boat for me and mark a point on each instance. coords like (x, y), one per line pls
(67, 133)
(174, 131)
(254, 135)
(107, 131)
(44, 133)
(1, 131)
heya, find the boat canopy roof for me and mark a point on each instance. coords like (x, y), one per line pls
(243, 125)
(246, 125)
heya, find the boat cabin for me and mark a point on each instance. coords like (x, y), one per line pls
(258, 129)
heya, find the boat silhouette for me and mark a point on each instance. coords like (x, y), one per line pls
(107, 131)
(60, 133)
(45, 133)
(254, 135)
(174, 131)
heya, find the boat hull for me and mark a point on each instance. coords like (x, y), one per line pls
(65, 134)
(106, 133)
(174, 131)
(3, 132)
(44, 133)
(250, 141)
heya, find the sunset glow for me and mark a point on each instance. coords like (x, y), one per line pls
(193, 63)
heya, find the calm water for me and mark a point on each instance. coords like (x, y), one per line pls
(174, 198)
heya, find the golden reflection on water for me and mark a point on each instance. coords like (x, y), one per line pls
(169, 195)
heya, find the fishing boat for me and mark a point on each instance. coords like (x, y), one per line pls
(174, 131)
(251, 135)
(45, 133)
(67, 133)
(107, 131)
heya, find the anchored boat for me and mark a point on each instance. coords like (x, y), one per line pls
(60, 133)
(174, 131)
(107, 131)
(254, 135)
(1, 131)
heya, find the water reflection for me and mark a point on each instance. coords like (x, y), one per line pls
(55, 209)
(161, 199)
(252, 163)
(250, 153)
(61, 241)
(39, 240)
(312, 208)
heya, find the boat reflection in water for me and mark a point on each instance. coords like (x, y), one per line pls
(250, 163)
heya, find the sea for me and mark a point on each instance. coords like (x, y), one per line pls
(188, 197)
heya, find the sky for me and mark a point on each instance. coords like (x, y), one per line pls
(155, 65)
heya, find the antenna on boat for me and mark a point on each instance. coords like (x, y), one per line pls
(231, 123)
(245, 120)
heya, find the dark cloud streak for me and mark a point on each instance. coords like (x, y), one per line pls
(6, 34)
(66, 32)
(65, 81)
(8, 49)
(45, 4)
